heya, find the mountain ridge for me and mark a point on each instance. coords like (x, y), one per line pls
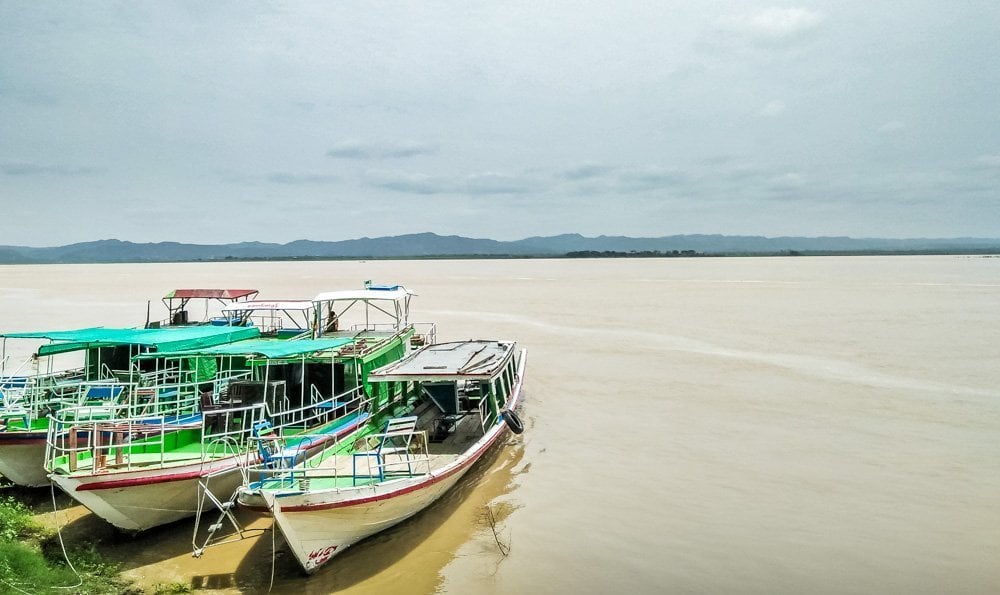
(432, 245)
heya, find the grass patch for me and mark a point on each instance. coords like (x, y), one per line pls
(16, 523)
(23, 568)
(170, 588)
(31, 559)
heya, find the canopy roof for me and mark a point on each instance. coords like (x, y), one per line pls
(269, 348)
(448, 362)
(270, 305)
(222, 294)
(161, 339)
(392, 292)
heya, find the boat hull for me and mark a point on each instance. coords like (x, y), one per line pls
(320, 525)
(22, 458)
(140, 500)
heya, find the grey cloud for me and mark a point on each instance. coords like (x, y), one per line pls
(773, 24)
(595, 178)
(714, 179)
(540, 106)
(891, 126)
(651, 178)
(300, 179)
(991, 162)
(47, 170)
(412, 184)
(772, 27)
(360, 151)
(491, 183)
(476, 184)
(586, 171)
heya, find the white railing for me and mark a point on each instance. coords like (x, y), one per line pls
(338, 462)
(320, 409)
(425, 333)
(293, 451)
(97, 439)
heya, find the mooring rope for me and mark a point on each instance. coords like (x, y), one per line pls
(274, 554)
(62, 545)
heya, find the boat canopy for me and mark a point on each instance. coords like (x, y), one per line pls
(269, 348)
(218, 294)
(161, 339)
(374, 292)
(273, 305)
(392, 301)
(448, 362)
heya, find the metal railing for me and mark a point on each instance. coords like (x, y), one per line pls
(424, 333)
(96, 439)
(297, 472)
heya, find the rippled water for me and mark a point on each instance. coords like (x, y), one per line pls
(752, 425)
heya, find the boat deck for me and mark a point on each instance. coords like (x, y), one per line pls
(328, 470)
(184, 447)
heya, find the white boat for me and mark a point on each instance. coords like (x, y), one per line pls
(455, 401)
(76, 368)
(140, 469)
(179, 302)
(89, 367)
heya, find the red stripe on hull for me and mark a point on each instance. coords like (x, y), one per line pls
(150, 479)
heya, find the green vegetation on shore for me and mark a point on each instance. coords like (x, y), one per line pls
(31, 558)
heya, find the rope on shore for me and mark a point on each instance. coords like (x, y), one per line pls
(62, 544)
(274, 554)
(20, 590)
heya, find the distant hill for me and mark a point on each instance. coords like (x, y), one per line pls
(430, 245)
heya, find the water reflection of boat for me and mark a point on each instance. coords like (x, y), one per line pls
(450, 403)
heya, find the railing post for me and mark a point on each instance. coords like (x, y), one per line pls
(119, 437)
(99, 452)
(72, 448)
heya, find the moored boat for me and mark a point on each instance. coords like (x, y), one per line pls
(452, 403)
(179, 301)
(293, 381)
(86, 368)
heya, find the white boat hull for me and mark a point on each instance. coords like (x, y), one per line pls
(22, 461)
(317, 534)
(140, 500)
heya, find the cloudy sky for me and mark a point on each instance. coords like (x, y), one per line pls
(217, 122)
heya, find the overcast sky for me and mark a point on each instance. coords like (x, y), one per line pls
(217, 122)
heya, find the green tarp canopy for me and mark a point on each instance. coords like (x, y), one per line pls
(269, 348)
(159, 339)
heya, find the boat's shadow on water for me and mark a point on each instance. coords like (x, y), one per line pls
(378, 553)
(77, 529)
(451, 521)
(128, 549)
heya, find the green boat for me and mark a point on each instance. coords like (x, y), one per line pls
(140, 468)
(88, 370)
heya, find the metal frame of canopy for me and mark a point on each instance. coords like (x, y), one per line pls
(177, 300)
(270, 315)
(372, 297)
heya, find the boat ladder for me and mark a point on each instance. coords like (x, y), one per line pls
(225, 508)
